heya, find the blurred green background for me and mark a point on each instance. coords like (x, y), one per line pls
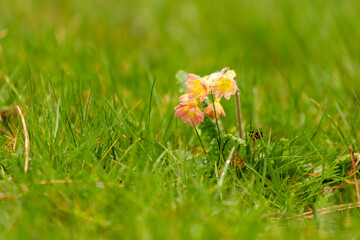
(285, 52)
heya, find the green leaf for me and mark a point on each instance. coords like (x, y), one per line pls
(181, 77)
(208, 130)
(227, 143)
(344, 159)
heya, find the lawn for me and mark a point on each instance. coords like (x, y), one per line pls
(97, 82)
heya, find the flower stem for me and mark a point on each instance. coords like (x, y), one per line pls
(216, 120)
(218, 129)
(202, 145)
(238, 113)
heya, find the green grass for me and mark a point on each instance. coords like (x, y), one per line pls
(109, 160)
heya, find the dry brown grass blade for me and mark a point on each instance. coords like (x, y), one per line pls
(27, 139)
(55, 181)
(354, 172)
(350, 171)
(322, 211)
(69, 181)
(238, 114)
(7, 196)
(327, 210)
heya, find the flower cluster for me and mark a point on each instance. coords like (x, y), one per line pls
(220, 84)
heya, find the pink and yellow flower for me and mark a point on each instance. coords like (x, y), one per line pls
(198, 88)
(212, 77)
(184, 98)
(209, 110)
(189, 112)
(225, 85)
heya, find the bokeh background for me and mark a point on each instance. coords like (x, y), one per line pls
(294, 54)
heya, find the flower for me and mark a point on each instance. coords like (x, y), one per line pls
(198, 88)
(225, 85)
(209, 110)
(221, 84)
(212, 77)
(229, 73)
(184, 98)
(189, 112)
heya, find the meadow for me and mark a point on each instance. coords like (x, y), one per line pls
(97, 85)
